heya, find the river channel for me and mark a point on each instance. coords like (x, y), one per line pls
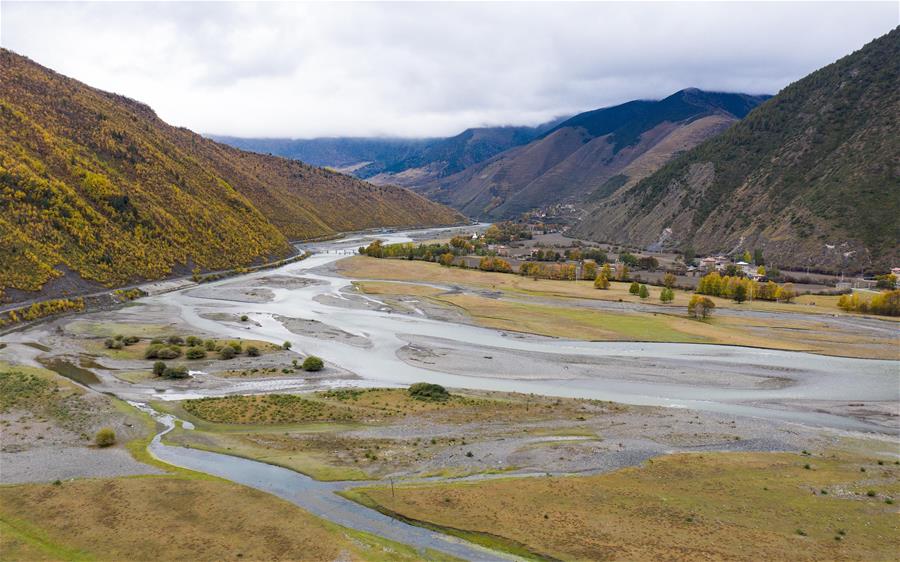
(707, 370)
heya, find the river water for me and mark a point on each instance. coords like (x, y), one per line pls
(803, 377)
(800, 377)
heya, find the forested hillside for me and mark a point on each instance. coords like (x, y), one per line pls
(812, 176)
(96, 185)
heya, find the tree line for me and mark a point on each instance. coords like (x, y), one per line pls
(742, 288)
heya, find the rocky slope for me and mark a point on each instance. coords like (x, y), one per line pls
(812, 176)
(590, 154)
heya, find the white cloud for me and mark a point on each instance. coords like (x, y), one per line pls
(406, 69)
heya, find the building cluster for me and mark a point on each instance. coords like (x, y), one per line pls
(721, 263)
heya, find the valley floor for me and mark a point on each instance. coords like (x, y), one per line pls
(770, 454)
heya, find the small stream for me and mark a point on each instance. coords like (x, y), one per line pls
(319, 498)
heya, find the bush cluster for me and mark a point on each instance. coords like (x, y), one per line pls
(160, 369)
(429, 392)
(106, 437)
(313, 363)
(885, 304)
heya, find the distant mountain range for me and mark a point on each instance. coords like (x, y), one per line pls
(590, 154)
(811, 176)
(406, 162)
(96, 190)
(499, 172)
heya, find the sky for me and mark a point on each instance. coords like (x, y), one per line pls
(426, 69)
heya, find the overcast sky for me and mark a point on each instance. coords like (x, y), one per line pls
(304, 70)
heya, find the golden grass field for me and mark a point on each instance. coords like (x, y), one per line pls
(173, 518)
(371, 405)
(670, 324)
(364, 267)
(711, 506)
(310, 443)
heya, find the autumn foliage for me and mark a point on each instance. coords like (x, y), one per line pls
(97, 184)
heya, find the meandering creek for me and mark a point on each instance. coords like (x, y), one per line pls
(319, 498)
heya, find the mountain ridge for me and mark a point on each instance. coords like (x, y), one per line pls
(579, 155)
(810, 176)
(94, 184)
(400, 161)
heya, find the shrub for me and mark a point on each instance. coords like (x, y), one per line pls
(490, 263)
(112, 344)
(667, 295)
(428, 391)
(286, 345)
(628, 259)
(106, 437)
(313, 363)
(193, 341)
(643, 292)
(227, 352)
(119, 337)
(252, 351)
(244, 318)
(210, 345)
(159, 368)
(130, 340)
(195, 353)
(168, 352)
(669, 280)
(175, 340)
(236, 346)
(156, 341)
(176, 372)
(700, 307)
(601, 282)
(635, 288)
(787, 293)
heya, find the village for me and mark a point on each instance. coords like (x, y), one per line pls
(550, 242)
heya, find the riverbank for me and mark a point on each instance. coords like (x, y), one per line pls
(539, 403)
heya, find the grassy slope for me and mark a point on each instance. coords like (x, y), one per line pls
(98, 183)
(669, 324)
(722, 506)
